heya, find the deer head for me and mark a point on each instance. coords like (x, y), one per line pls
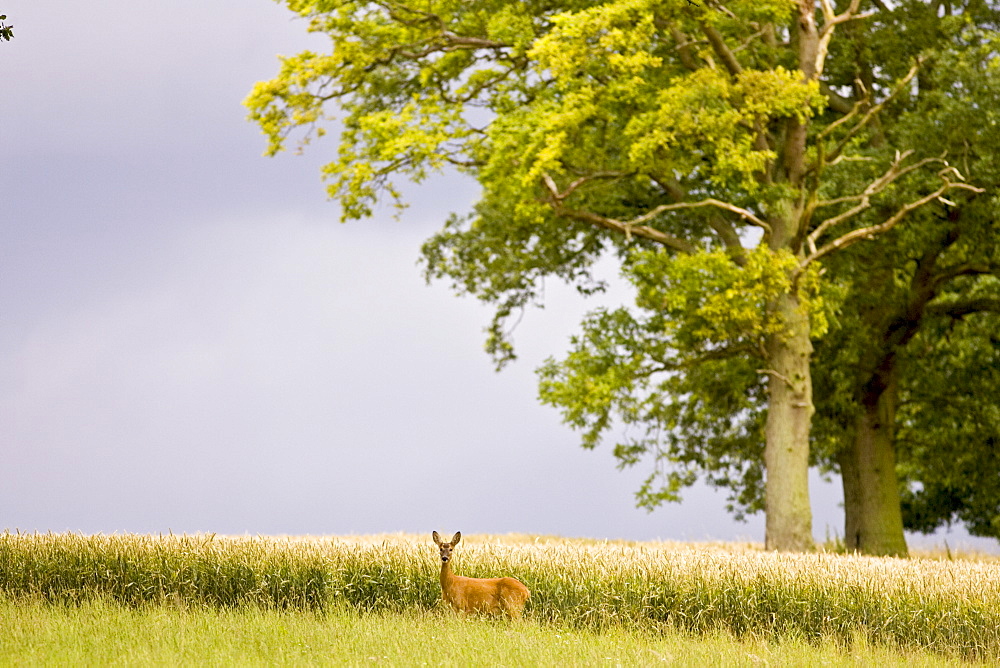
(446, 548)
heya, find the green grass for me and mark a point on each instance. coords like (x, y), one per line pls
(35, 633)
(948, 607)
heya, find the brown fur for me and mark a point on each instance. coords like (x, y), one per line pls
(481, 595)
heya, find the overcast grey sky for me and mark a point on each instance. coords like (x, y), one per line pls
(190, 341)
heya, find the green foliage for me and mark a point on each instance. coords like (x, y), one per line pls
(704, 115)
(598, 88)
(706, 300)
(949, 437)
(401, 90)
(680, 382)
(6, 31)
(686, 419)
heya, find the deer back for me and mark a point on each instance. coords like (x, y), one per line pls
(485, 595)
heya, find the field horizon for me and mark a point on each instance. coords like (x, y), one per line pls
(943, 550)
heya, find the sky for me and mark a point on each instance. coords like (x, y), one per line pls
(191, 341)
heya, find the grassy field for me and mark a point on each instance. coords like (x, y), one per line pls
(178, 599)
(95, 633)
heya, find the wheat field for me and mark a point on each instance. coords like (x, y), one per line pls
(949, 607)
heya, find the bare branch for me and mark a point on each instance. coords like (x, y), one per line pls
(775, 374)
(833, 155)
(550, 184)
(670, 185)
(458, 162)
(844, 158)
(723, 227)
(874, 231)
(426, 17)
(638, 225)
(894, 172)
(743, 213)
(850, 113)
(629, 231)
(730, 238)
(553, 189)
(683, 48)
(440, 38)
(459, 41)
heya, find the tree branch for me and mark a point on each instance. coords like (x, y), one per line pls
(683, 48)
(722, 49)
(966, 269)
(850, 112)
(743, 213)
(839, 148)
(459, 41)
(835, 101)
(723, 227)
(550, 184)
(875, 230)
(894, 172)
(627, 228)
(426, 17)
(831, 21)
(964, 307)
(637, 225)
(432, 43)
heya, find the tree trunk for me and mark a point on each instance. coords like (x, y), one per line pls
(790, 407)
(786, 453)
(873, 520)
(851, 480)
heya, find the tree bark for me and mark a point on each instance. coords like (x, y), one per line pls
(786, 453)
(873, 519)
(850, 477)
(790, 408)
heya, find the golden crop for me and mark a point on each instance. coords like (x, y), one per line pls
(951, 606)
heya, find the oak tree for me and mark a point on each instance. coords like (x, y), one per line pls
(899, 360)
(700, 144)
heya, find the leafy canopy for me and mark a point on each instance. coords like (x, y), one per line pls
(693, 142)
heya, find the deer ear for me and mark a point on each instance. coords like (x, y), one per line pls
(457, 537)
(437, 538)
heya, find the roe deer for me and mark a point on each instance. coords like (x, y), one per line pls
(489, 595)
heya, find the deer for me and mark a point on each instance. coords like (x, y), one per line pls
(479, 595)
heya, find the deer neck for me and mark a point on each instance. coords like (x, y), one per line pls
(447, 576)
